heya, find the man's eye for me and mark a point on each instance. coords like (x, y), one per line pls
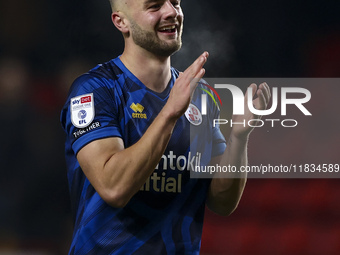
(155, 6)
(176, 3)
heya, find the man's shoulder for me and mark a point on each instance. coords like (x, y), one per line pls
(108, 70)
(102, 75)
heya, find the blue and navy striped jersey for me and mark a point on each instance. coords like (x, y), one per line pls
(166, 215)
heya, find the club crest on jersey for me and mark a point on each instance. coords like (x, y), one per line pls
(138, 111)
(82, 110)
(193, 115)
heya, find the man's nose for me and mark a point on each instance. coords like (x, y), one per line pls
(169, 10)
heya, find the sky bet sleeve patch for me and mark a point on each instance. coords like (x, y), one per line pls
(82, 110)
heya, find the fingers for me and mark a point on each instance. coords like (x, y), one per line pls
(196, 68)
(254, 89)
(264, 95)
(265, 90)
(195, 71)
(182, 91)
(195, 81)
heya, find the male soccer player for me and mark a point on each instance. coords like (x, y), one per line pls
(128, 148)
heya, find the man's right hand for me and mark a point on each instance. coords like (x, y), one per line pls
(186, 83)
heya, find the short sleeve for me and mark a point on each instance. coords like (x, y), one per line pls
(91, 111)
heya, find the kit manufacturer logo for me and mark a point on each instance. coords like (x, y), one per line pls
(138, 111)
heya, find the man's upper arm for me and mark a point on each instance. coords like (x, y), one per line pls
(93, 157)
(93, 97)
(94, 141)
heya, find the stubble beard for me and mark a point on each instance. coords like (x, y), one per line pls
(150, 42)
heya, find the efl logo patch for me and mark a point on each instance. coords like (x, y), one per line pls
(193, 115)
(82, 110)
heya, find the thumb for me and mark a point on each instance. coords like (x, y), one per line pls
(253, 88)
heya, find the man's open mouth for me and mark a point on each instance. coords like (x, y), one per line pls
(168, 29)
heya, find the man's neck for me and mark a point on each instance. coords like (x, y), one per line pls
(153, 71)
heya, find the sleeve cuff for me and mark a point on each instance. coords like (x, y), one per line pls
(95, 135)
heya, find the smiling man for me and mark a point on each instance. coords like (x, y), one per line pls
(128, 145)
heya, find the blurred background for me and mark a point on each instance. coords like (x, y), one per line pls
(45, 45)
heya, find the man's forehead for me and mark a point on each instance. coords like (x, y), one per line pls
(121, 4)
(140, 2)
(133, 4)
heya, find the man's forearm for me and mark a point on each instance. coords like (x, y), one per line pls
(226, 188)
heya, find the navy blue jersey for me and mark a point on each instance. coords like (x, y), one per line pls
(166, 215)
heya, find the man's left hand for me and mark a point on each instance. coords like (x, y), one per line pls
(260, 103)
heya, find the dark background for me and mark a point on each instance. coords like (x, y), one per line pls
(44, 45)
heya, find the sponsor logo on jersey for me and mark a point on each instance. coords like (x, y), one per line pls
(193, 115)
(87, 99)
(160, 181)
(138, 111)
(82, 110)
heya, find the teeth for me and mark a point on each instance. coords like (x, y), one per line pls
(168, 28)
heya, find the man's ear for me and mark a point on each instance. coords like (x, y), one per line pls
(120, 22)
